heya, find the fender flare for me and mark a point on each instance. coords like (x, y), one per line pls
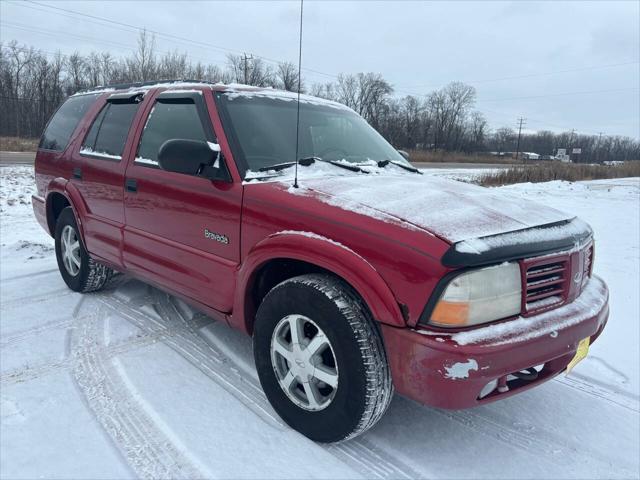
(322, 252)
(65, 188)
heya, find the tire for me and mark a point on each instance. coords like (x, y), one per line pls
(322, 304)
(89, 275)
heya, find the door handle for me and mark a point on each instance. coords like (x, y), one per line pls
(77, 173)
(131, 184)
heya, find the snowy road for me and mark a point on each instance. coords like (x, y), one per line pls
(130, 382)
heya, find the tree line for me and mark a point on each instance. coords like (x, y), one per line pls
(33, 84)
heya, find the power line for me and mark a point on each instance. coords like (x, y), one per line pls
(573, 131)
(55, 33)
(530, 75)
(559, 95)
(170, 36)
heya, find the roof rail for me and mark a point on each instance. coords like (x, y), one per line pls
(122, 86)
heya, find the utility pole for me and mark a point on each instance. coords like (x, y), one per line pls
(573, 130)
(522, 122)
(245, 59)
(598, 147)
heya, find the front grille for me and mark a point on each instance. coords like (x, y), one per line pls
(553, 280)
(586, 265)
(545, 284)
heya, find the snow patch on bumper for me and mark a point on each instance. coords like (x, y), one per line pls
(590, 302)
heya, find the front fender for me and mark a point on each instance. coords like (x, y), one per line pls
(322, 252)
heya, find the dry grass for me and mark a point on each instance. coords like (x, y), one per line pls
(17, 144)
(548, 171)
(422, 156)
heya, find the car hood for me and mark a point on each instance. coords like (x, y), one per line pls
(452, 210)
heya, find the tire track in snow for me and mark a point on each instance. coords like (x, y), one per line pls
(199, 354)
(527, 438)
(358, 453)
(30, 275)
(26, 373)
(607, 393)
(37, 298)
(145, 447)
(212, 362)
(22, 335)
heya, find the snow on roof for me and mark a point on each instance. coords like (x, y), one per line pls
(177, 85)
(232, 90)
(284, 95)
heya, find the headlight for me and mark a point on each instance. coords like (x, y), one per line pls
(480, 296)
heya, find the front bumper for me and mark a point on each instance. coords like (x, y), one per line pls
(450, 370)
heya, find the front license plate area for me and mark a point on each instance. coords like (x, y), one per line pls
(581, 353)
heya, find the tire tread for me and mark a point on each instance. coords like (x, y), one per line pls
(378, 375)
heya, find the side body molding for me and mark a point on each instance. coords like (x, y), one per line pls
(322, 252)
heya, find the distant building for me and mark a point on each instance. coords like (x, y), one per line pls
(562, 155)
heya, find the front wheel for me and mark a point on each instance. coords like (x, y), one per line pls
(320, 358)
(79, 271)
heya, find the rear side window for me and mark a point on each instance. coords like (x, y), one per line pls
(58, 132)
(108, 133)
(168, 121)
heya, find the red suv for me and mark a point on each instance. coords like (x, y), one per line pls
(355, 273)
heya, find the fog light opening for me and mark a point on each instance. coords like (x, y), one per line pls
(488, 388)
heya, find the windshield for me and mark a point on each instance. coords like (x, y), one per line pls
(264, 127)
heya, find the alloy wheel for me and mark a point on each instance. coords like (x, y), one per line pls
(304, 362)
(70, 250)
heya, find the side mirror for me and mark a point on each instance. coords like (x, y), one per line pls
(192, 157)
(405, 155)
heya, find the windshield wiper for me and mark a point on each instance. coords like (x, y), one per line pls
(353, 168)
(305, 162)
(384, 163)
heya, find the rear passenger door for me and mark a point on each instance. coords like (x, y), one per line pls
(182, 231)
(98, 174)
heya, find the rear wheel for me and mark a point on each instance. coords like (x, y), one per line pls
(320, 358)
(79, 271)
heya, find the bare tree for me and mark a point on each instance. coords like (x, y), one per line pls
(504, 139)
(250, 71)
(33, 85)
(478, 130)
(143, 63)
(287, 77)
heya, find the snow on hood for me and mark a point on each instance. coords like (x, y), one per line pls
(454, 211)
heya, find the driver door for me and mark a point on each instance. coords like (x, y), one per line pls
(181, 231)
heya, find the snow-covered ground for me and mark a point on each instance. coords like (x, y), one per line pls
(132, 383)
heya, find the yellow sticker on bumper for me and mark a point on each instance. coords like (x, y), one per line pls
(581, 353)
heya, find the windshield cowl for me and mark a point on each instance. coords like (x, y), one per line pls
(285, 172)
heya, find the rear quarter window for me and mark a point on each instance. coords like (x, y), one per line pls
(61, 126)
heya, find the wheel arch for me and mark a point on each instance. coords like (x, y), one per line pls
(288, 254)
(62, 194)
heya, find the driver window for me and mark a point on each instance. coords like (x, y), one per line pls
(168, 120)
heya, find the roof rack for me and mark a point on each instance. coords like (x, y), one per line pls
(123, 86)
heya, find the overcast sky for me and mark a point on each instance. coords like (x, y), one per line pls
(539, 60)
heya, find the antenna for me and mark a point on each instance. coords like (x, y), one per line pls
(295, 180)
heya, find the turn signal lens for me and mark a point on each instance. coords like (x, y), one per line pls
(480, 296)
